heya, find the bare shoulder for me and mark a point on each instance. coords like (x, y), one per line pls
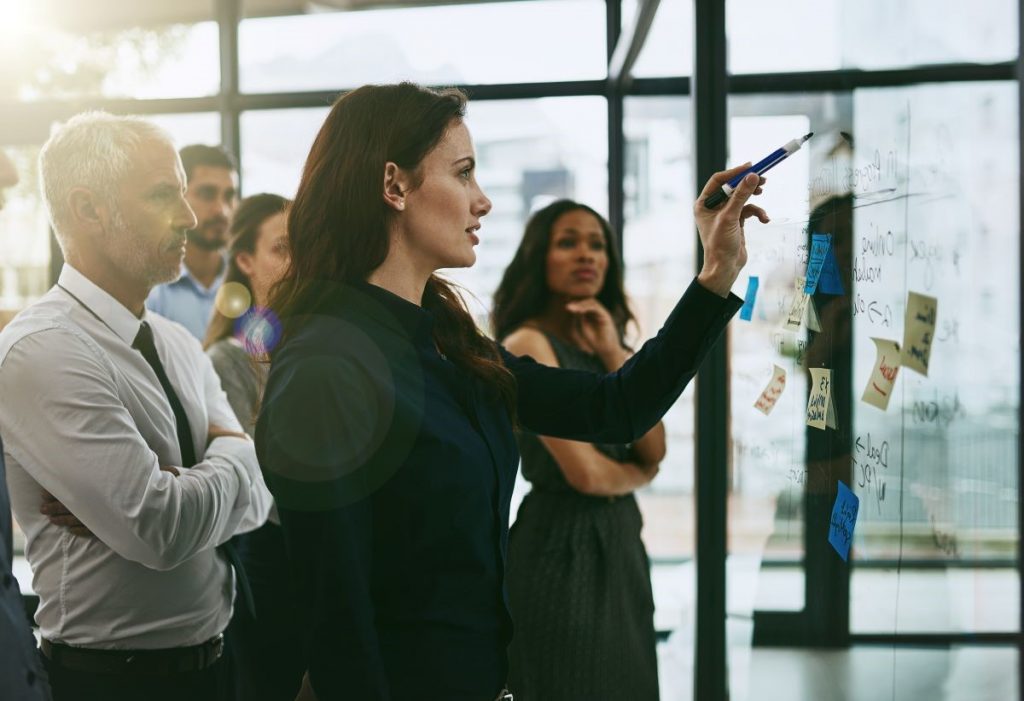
(528, 340)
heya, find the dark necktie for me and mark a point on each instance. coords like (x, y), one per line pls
(145, 345)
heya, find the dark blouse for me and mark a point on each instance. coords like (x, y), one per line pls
(393, 471)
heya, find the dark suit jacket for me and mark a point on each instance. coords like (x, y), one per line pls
(21, 674)
(393, 472)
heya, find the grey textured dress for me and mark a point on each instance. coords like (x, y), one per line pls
(241, 377)
(578, 583)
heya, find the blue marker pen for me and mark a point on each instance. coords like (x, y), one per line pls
(722, 194)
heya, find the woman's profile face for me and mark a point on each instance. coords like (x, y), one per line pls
(577, 258)
(442, 215)
(269, 259)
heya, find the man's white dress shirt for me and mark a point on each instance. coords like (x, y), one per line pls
(84, 417)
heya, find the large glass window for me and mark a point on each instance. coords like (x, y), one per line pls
(448, 44)
(812, 35)
(44, 61)
(660, 259)
(766, 512)
(275, 144)
(937, 472)
(913, 186)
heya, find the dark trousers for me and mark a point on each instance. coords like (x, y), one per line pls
(268, 651)
(211, 684)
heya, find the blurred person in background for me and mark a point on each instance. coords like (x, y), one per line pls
(579, 583)
(21, 671)
(241, 334)
(128, 471)
(212, 178)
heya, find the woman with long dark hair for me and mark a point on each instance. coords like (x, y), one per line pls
(386, 430)
(257, 259)
(578, 575)
(266, 649)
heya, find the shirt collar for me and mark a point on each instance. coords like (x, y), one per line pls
(188, 278)
(413, 319)
(107, 309)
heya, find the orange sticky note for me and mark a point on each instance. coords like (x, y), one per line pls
(883, 377)
(766, 402)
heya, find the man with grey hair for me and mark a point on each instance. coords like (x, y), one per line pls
(128, 470)
(21, 674)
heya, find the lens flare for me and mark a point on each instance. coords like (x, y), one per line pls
(259, 330)
(233, 300)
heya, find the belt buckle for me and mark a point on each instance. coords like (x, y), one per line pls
(212, 651)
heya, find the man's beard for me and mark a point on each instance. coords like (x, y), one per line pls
(135, 257)
(200, 241)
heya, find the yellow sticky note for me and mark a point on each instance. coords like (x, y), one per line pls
(821, 412)
(883, 377)
(796, 311)
(918, 332)
(766, 402)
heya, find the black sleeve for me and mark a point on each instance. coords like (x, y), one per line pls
(622, 406)
(311, 442)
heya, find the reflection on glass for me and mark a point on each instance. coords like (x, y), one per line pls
(49, 62)
(453, 44)
(812, 35)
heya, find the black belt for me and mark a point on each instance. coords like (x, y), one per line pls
(163, 662)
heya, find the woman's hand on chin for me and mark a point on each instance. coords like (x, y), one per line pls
(594, 330)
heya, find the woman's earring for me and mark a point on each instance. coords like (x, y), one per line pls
(401, 204)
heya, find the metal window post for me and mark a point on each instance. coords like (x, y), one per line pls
(616, 136)
(710, 133)
(229, 15)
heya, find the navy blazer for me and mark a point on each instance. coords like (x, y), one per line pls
(21, 674)
(393, 472)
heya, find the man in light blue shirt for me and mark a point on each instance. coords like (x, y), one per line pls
(212, 194)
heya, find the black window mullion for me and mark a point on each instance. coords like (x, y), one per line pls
(710, 136)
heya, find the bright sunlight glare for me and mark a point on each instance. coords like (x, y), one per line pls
(16, 17)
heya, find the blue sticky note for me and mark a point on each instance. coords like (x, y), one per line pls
(747, 310)
(829, 282)
(821, 247)
(844, 518)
